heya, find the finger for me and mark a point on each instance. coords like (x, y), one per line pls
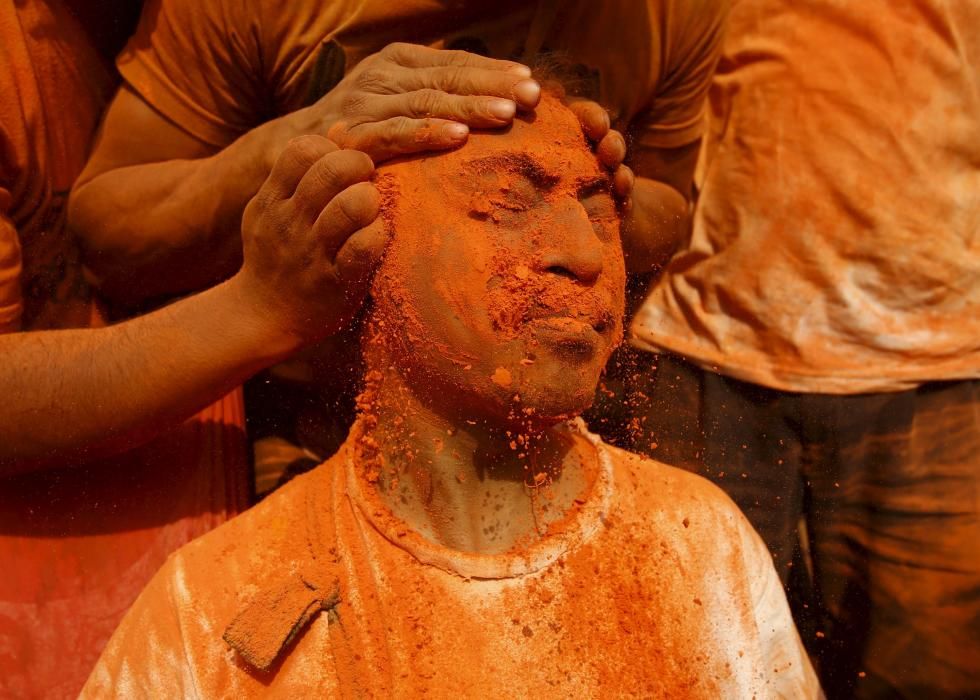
(328, 177)
(415, 56)
(611, 150)
(293, 162)
(593, 118)
(477, 112)
(623, 182)
(471, 81)
(358, 259)
(402, 136)
(351, 210)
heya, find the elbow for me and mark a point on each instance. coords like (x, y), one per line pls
(110, 251)
(90, 220)
(659, 224)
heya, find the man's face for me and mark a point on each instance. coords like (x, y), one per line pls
(502, 292)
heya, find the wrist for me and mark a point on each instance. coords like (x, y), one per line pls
(262, 325)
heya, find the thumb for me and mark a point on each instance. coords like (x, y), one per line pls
(359, 257)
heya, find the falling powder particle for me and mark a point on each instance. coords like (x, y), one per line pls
(501, 376)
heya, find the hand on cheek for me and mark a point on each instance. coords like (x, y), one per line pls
(610, 146)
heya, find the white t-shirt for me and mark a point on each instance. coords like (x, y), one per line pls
(656, 586)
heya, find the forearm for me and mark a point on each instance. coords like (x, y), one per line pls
(657, 225)
(77, 394)
(173, 226)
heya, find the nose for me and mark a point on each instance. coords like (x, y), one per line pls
(571, 248)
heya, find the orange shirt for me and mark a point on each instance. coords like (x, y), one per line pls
(44, 79)
(655, 587)
(78, 544)
(220, 68)
(836, 244)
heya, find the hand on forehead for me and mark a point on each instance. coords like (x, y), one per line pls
(548, 141)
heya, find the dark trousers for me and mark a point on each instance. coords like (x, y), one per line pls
(870, 505)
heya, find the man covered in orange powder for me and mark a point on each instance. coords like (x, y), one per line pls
(471, 536)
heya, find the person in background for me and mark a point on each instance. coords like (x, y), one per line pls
(84, 523)
(819, 338)
(211, 92)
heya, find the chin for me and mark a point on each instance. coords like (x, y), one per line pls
(550, 406)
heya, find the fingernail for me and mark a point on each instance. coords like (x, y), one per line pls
(456, 131)
(527, 92)
(520, 70)
(502, 109)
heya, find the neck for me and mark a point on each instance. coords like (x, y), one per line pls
(467, 482)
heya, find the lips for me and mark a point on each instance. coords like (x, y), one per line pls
(570, 336)
(573, 321)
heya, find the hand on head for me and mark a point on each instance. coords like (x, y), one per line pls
(409, 99)
(610, 146)
(311, 239)
(311, 234)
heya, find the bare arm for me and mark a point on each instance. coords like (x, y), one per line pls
(311, 241)
(157, 210)
(84, 393)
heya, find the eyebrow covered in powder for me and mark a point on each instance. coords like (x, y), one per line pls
(527, 166)
(517, 162)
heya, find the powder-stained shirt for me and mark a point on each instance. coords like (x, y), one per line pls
(655, 587)
(79, 542)
(836, 244)
(218, 69)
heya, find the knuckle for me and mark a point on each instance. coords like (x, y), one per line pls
(354, 103)
(253, 212)
(302, 151)
(455, 77)
(423, 103)
(461, 58)
(278, 224)
(306, 147)
(399, 129)
(261, 201)
(373, 80)
(357, 207)
(330, 171)
(395, 49)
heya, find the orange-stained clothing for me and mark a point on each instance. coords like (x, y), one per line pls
(836, 243)
(655, 587)
(78, 543)
(54, 85)
(649, 62)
